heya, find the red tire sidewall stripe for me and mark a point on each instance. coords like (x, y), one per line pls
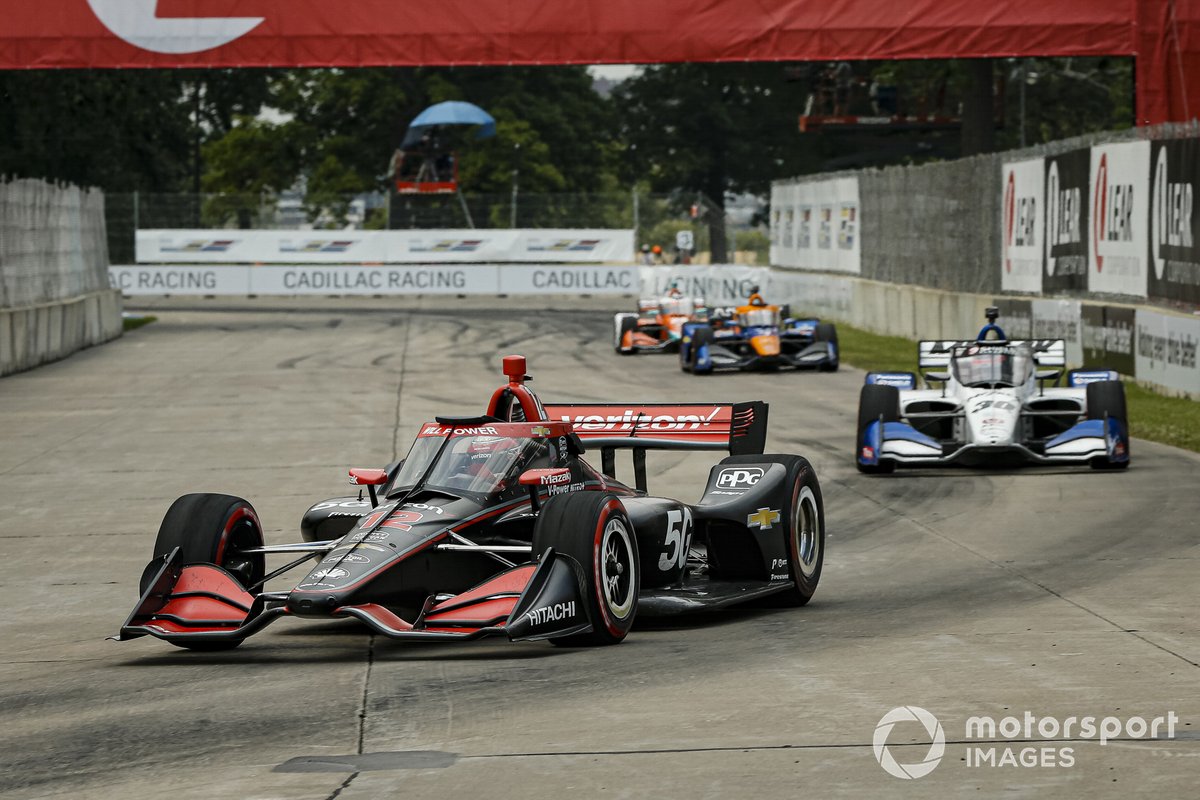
(240, 513)
(598, 556)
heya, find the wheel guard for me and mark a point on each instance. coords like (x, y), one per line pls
(204, 603)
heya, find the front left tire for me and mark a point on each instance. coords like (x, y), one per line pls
(594, 532)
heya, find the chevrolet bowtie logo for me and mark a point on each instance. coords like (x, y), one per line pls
(763, 518)
(541, 430)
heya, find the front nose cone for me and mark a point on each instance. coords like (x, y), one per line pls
(765, 345)
(312, 605)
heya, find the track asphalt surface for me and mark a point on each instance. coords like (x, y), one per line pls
(1061, 592)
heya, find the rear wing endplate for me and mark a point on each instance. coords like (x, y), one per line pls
(739, 428)
(936, 354)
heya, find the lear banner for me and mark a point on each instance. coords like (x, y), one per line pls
(1120, 213)
(374, 280)
(815, 225)
(1174, 272)
(383, 247)
(1066, 260)
(1021, 248)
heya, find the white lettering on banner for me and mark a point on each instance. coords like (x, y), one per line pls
(522, 279)
(1063, 213)
(1167, 351)
(1059, 319)
(181, 280)
(1171, 225)
(1120, 177)
(1021, 248)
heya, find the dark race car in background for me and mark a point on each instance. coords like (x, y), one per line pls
(757, 336)
(497, 525)
(992, 402)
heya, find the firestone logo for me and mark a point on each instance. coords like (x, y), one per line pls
(137, 22)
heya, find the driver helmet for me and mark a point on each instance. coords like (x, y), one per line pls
(756, 299)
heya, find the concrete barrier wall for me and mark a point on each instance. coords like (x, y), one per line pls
(38, 334)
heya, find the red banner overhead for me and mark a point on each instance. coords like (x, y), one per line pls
(348, 33)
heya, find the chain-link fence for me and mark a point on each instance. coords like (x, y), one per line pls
(52, 243)
(655, 218)
(939, 225)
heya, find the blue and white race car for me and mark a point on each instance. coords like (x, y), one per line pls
(992, 401)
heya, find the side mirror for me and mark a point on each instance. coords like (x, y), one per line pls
(535, 478)
(1048, 374)
(940, 377)
(369, 478)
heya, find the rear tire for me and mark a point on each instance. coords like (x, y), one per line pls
(1107, 399)
(699, 336)
(827, 332)
(593, 530)
(876, 402)
(624, 324)
(804, 528)
(213, 529)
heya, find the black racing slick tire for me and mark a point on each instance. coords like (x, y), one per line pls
(594, 532)
(1107, 399)
(876, 402)
(699, 336)
(827, 332)
(213, 529)
(624, 325)
(803, 531)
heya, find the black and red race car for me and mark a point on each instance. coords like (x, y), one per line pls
(496, 525)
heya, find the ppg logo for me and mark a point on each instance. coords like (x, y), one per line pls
(739, 477)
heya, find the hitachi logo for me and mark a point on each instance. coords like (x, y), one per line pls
(552, 613)
(632, 420)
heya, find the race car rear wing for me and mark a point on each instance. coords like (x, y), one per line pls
(739, 428)
(1046, 352)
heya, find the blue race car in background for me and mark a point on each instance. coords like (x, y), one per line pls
(757, 336)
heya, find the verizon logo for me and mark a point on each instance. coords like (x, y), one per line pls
(631, 420)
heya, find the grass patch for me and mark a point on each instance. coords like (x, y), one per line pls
(1169, 420)
(132, 323)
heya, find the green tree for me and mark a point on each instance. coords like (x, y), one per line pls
(711, 129)
(246, 169)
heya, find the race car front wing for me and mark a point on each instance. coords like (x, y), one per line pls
(1082, 443)
(201, 604)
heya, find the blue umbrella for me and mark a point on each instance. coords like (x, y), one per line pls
(452, 112)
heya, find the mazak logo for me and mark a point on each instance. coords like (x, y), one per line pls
(138, 23)
(933, 757)
(1170, 214)
(739, 477)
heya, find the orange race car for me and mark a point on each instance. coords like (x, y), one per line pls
(657, 326)
(757, 335)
